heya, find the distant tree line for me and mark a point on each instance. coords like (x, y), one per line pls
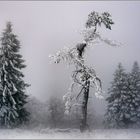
(51, 113)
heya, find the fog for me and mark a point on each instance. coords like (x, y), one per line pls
(44, 27)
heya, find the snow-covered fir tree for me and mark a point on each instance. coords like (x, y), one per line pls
(124, 98)
(134, 93)
(118, 109)
(12, 85)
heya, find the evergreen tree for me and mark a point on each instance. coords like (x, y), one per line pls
(118, 111)
(12, 85)
(134, 92)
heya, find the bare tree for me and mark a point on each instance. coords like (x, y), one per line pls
(84, 76)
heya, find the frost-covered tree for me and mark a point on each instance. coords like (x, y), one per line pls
(124, 98)
(119, 101)
(12, 85)
(134, 93)
(82, 75)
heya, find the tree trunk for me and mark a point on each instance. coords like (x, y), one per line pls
(84, 125)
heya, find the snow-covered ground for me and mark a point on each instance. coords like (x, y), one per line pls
(69, 134)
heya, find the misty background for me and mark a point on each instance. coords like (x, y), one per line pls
(44, 27)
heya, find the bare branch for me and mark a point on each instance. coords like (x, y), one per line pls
(79, 93)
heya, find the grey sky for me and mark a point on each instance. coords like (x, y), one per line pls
(44, 27)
